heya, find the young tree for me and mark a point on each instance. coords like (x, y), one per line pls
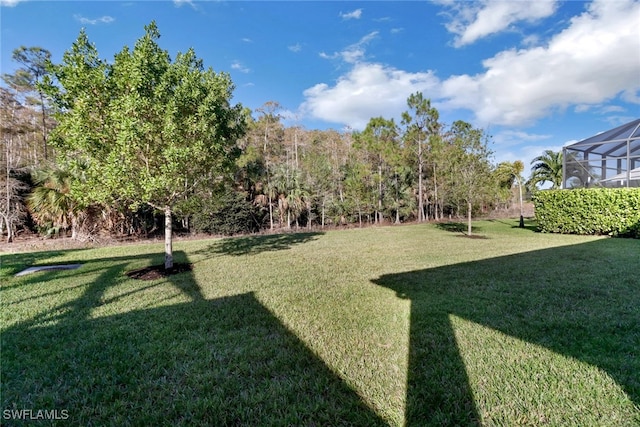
(471, 169)
(149, 130)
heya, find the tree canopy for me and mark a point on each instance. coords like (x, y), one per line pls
(147, 129)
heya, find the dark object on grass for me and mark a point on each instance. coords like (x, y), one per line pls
(158, 271)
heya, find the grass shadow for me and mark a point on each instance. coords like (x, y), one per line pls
(456, 227)
(252, 245)
(529, 224)
(226, 361)
(579, 301)
(15, 263)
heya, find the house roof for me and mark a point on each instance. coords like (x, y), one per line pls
(612, 143)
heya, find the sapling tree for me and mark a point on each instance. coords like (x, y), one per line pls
(470, 167)
(148, 130)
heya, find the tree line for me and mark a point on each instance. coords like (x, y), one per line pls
(92, 146)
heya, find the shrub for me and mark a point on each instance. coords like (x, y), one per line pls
(229, 213)
(606, 211)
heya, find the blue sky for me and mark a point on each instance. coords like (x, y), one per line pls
(535, 75)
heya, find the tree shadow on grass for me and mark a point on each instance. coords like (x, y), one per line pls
(13, 263)
(456, 227)
(17, 262)
(227, 361)
(529, 224)
(252, 245)
(579, 301)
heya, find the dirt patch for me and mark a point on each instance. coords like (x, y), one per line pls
(155, 272)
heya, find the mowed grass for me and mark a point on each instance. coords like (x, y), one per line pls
(413, 325)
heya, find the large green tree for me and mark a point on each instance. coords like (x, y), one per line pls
(150, 130)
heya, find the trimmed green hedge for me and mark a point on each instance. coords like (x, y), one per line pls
(608, 211)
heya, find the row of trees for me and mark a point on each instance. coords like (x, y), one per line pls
(24, 126)
(91, 146)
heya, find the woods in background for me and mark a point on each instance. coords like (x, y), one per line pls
(61, 171)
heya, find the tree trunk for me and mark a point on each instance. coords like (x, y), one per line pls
(74, 228)
(420, 185)
(379, 193)
(469, 218)
(9, 229)
(168, 244)
(270, 213)
(44, 126)
(435, 190)
(521, 208)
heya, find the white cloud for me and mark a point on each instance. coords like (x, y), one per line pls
(295, 47)
(618, 120)
(10, 3)
(596, 58)
(612, 109)
(368, 90)
(237, 65)
(473, 21)
(512, 137)
(531, 40)
(356, 14)
(353, 53)
(593, 61)
(179, 3)
(87, 21)
(247, 40)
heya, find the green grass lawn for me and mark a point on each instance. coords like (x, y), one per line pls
(413, 325)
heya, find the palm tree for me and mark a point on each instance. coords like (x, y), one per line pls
(280, 185)
(512, 173)
(51, 202)
(547, 168)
